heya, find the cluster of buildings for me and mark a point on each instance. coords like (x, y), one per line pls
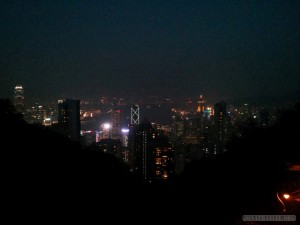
(154, 152)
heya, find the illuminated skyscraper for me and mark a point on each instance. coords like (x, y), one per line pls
(143, 150)
(220, 126)
(134, 121)
(124, 138)
(199, 119)
(116, 130)
(37, 114)
(19, 99)
(200, 108)
(153, 153)
(105, 131)
(135, 114)
(163, 158)
(69, 118)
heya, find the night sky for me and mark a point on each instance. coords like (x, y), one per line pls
(221, 49)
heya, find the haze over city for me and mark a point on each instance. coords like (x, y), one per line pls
(162, 111)
(224, 50)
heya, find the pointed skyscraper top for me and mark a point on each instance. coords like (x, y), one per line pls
(200, 107)
(201, 100)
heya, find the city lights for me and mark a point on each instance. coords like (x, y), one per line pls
(124, 130)
(286, 196)
(106, 126)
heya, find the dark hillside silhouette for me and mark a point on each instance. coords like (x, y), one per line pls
(244, 180)
(44, 171)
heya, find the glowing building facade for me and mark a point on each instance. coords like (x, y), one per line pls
(153, 155)
(135, 114)
(19, 99)
(116, 130)
(220, 126)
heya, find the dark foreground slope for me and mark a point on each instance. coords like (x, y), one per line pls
(47, 177)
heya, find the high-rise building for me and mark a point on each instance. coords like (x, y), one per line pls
(125, 145)
(69, 118)
(220, 126)
(88, 137)
(135, 114)
(116, 130)
(193, 124)
(105, 132)
(37, 114)
(134, 121)
(163, 158)
(19, 99)
(199, 119)
(200, 108)
(153, 154)
(178, 128)
(143, 150)
(124, 137)
(190, 131)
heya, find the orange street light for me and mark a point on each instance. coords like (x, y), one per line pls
(286, 196)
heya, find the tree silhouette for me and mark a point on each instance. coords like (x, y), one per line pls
(43, 168)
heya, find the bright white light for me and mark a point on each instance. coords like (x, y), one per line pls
(125, 130)
(286, 196)
(106, 126)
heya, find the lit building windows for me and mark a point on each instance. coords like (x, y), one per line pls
(165, 175)
(158, 161)
(164, 161)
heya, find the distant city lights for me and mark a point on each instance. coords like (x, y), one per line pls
(106, 126)
(125, 130)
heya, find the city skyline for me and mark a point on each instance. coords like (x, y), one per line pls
(168, 48)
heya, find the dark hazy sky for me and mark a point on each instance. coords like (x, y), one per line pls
(171, 48)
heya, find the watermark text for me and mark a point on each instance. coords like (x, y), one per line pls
(269, 218)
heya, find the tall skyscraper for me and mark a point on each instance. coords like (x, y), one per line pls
(19, 99)
(153, 153)
(143, 150)
(199, 119)
(69, 118)
(134, 121)
(37, 114)
(200, 102)
(220, 126)
(163, 158)
(135, 114)
(116, 130)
